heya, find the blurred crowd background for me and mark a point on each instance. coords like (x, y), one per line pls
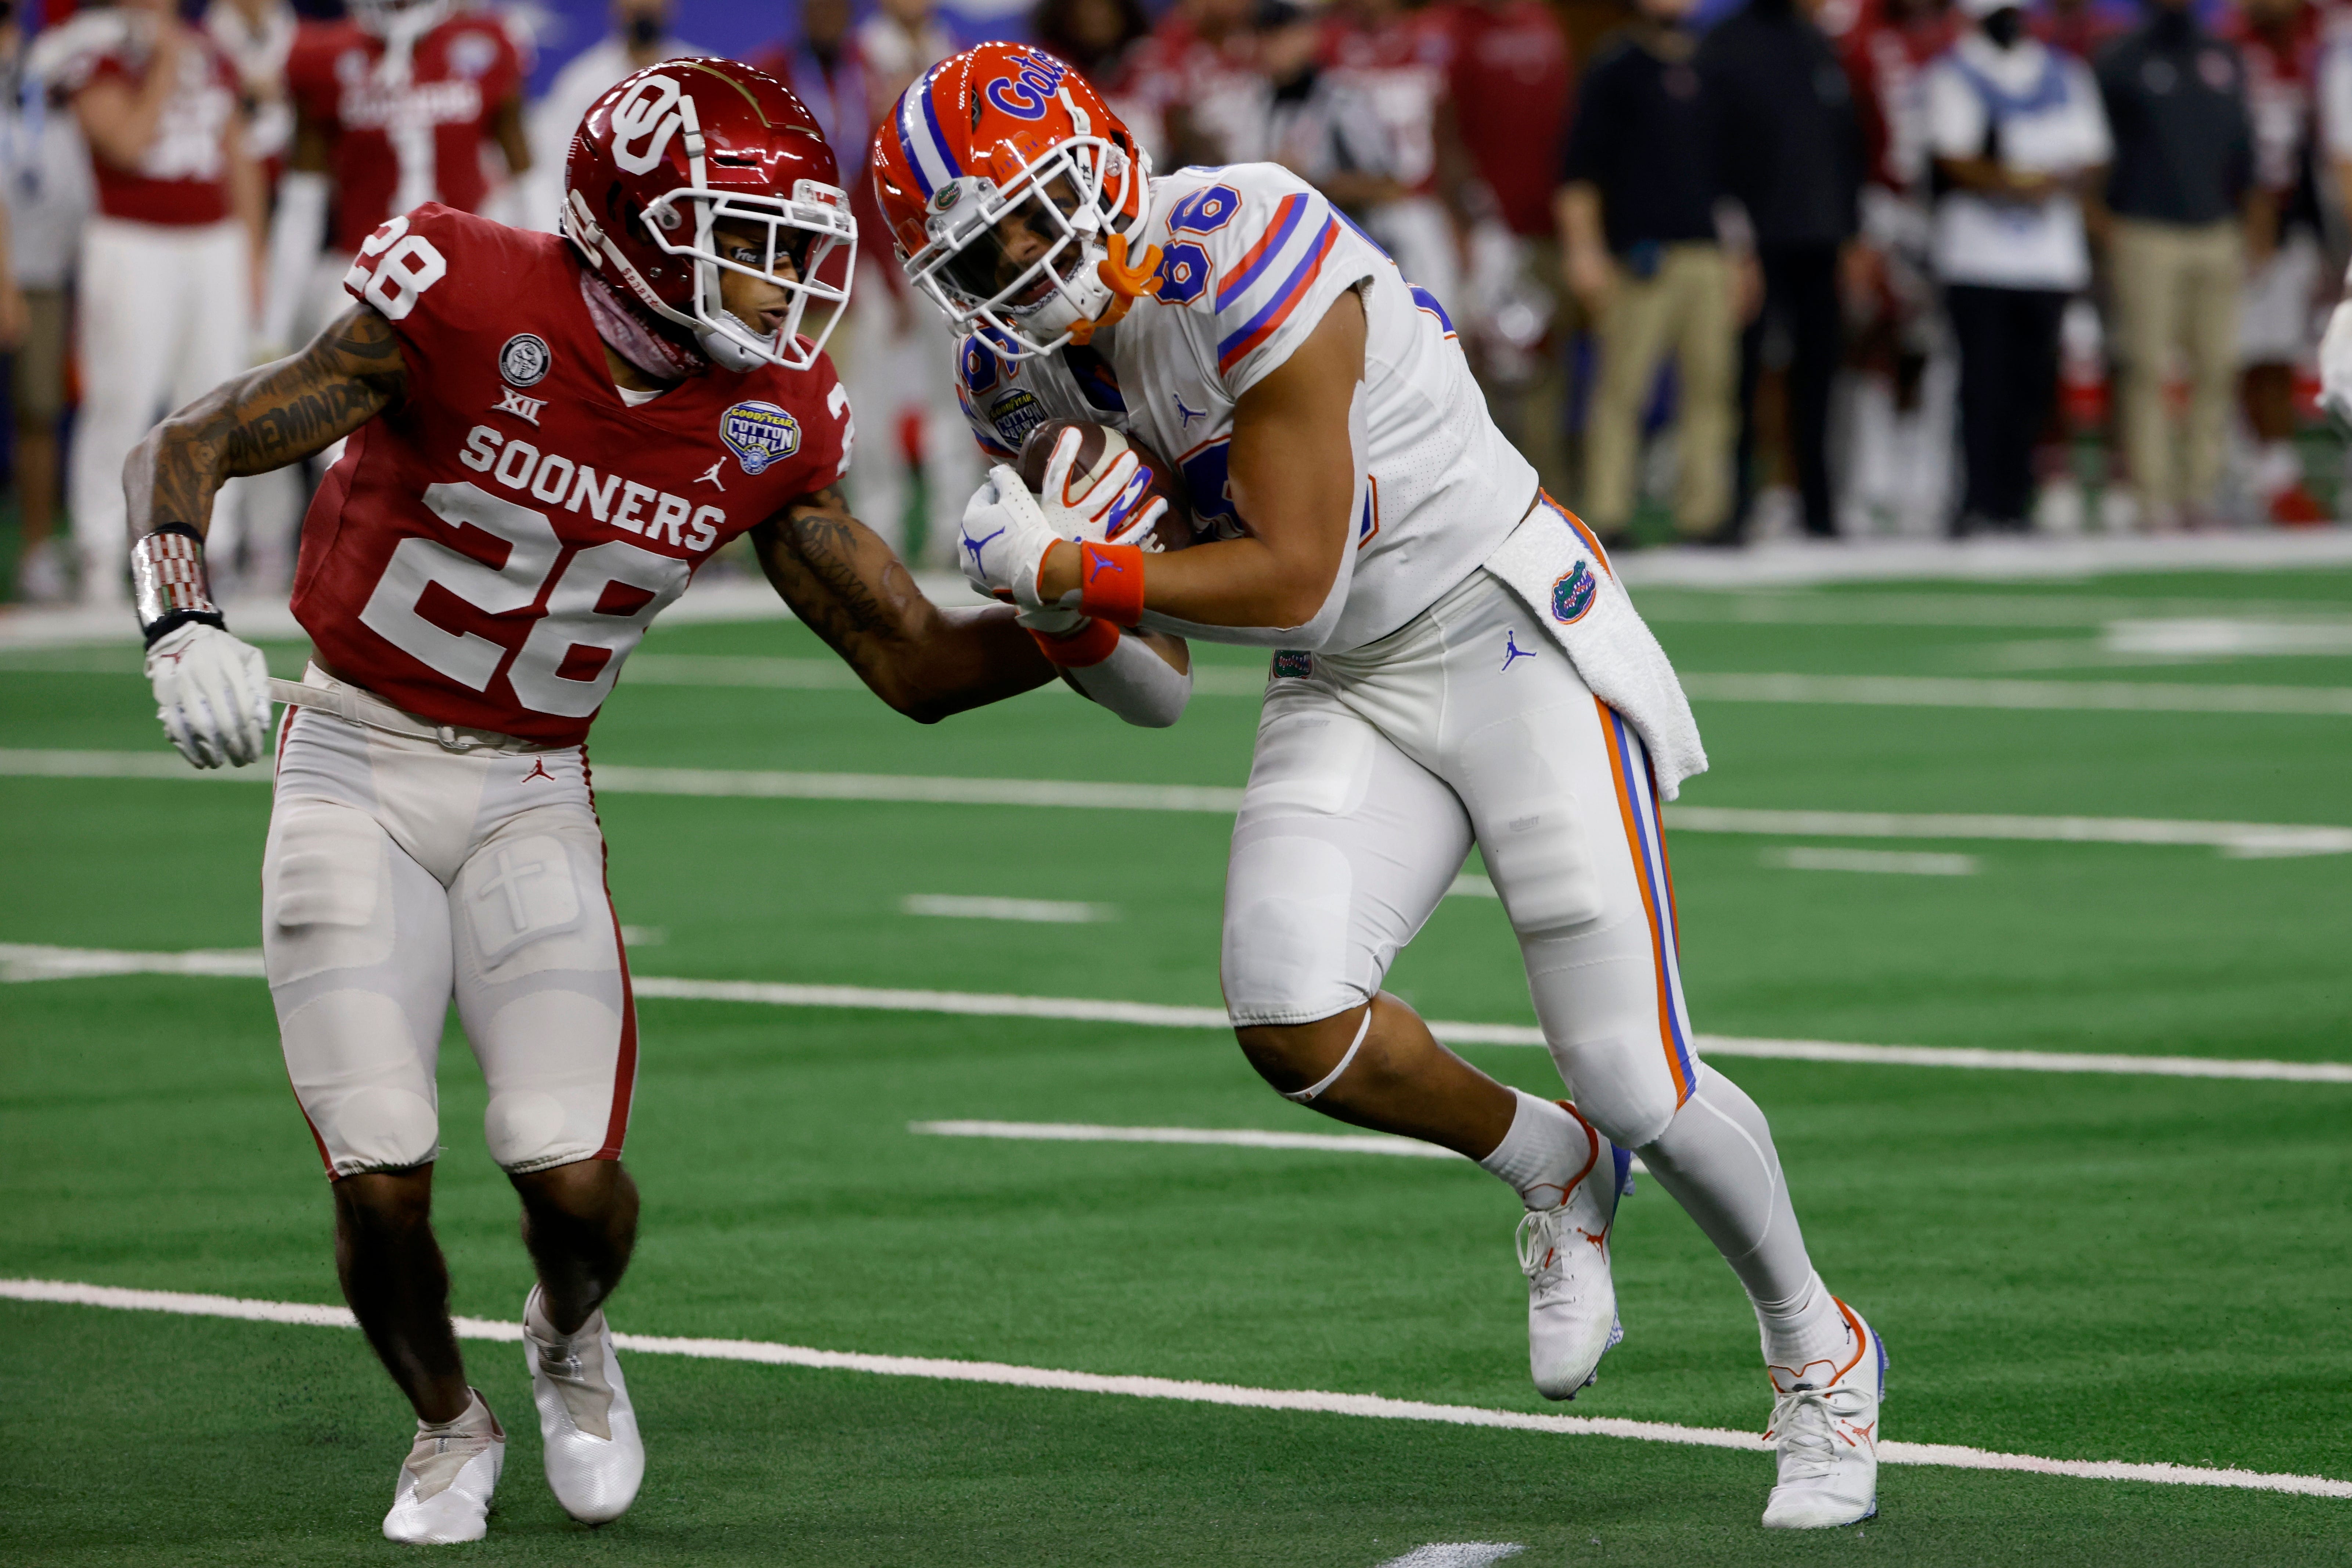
(1729, 271)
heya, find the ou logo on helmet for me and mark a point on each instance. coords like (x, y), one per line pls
(1024, 97)
(647, 112)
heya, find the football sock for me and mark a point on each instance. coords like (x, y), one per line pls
(1542, 1153)
(1716, 1159)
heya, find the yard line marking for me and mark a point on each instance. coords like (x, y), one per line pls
(29, 961)
(1240, 1137)
(1456, 1554)
(2239, 840)
(1233, 1137)
(2246, 840)
(1807, 608)
(1471, 885)
(1887, 861)
(1044, 911)
(1956, 691)
(769, 1353)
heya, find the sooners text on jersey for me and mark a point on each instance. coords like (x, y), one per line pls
(394, 144)
(486, 553)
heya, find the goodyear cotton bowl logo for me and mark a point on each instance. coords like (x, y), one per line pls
(1572, 595)
(759, 433)
(1014, 414)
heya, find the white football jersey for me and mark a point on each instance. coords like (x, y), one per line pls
(1251, 260)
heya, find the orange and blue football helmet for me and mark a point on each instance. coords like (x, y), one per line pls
(1006, 179)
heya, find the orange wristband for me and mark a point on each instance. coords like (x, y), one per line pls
(1090, 644)
(1110, 582)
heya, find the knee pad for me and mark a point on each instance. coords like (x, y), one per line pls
(362, 1081)
(1630, 1098)
(1285, 956)
(556, 1069)
(325, 891)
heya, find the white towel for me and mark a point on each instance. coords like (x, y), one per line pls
(1552, 564)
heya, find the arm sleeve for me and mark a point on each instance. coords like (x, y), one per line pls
(1135, 683)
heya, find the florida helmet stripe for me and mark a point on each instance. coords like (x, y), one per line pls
(927, 153)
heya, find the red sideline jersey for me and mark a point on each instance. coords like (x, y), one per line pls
(182, 177)
(396, 146)
(486, 553)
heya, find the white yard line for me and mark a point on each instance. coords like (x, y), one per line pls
(1036, 911)
(1872, 691)
(1307, 1401)
(1233, 1137)
(1886, 862)
(2239, 839)
(2057, 696)
(26, 962)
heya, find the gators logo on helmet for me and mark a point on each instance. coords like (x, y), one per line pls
(1007, 182)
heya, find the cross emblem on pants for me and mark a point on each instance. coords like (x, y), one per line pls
(509, 880)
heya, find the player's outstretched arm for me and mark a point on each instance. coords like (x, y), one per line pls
(926, 662)
(263, 419)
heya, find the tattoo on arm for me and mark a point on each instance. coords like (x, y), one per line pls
(862, 594)
(853, 591)
(264, 419)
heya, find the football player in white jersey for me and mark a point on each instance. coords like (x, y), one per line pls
(1455, 663)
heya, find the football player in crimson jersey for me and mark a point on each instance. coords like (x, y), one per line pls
(547, 435)
(1455, 663)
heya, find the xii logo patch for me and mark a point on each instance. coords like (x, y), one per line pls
(521, 407)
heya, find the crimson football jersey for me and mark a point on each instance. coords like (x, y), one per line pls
(395, 145)
(487, 553)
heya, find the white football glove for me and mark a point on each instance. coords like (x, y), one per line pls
(1113, 506)
(2335, 364)
(1004, 540)
(212, 692)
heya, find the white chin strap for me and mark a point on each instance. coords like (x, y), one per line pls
(726, 350)
(1080, 297)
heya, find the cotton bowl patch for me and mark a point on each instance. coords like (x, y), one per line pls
(759, 434)
(1572, 595)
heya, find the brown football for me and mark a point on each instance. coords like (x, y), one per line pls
(1099, 446)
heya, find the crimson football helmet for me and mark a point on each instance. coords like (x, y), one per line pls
(1006, 134)
(671, 152)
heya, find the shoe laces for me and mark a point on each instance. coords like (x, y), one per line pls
(1804, 1428)
(1538, 1243)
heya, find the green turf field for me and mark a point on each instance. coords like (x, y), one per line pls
(2071, 1266)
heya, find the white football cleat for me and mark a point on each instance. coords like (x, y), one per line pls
(443, 1496)
(1564, 1252)
(595, 1457)
(1825, 1430)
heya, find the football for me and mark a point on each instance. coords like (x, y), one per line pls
(1099, 446)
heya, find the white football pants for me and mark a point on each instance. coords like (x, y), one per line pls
(164, 318)
(1374, 772)
(1373, 775)
(399, 873)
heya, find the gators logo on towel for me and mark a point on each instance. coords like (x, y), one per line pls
(1573, 594)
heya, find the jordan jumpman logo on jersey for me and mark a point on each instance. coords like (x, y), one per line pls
(1512, 651)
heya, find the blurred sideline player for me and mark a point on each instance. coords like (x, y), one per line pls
(547, 436)
(167, 277)
(1336, 448)
(393, 108)
(2279, 41)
